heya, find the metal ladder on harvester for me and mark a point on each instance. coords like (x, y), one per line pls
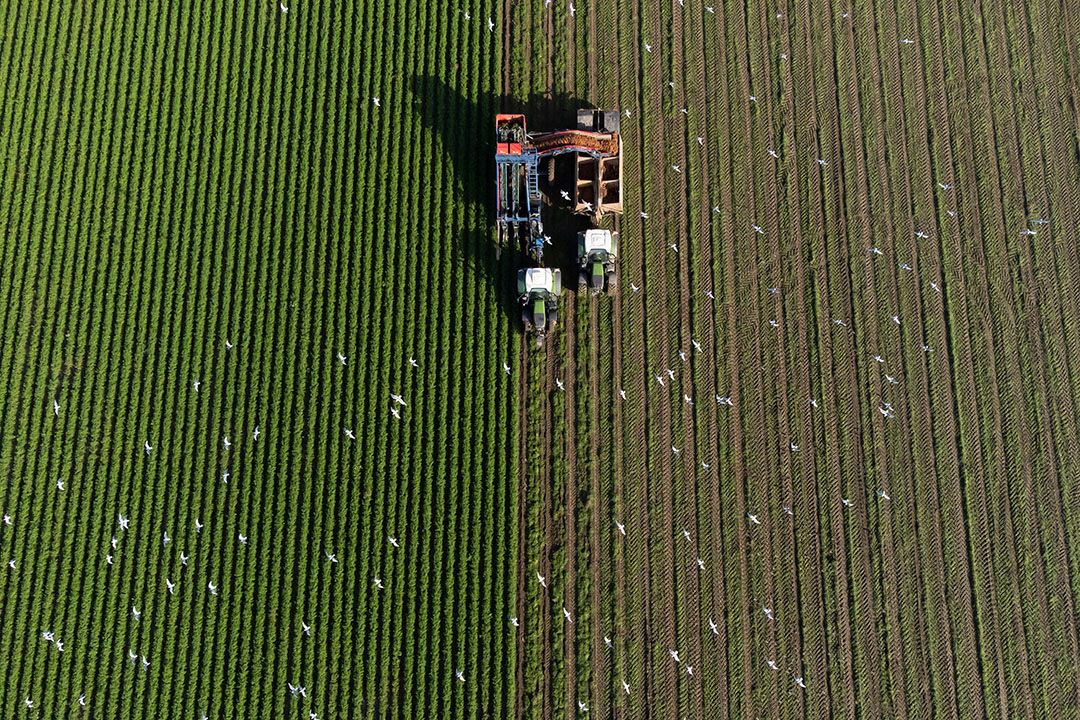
(534, 202)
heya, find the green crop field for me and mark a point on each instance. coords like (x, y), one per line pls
(274, 443)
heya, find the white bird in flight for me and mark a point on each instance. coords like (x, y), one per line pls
(883, 495)
(242, 538)
(772, 664)
(349, 434)
(514, 621)
(460, 675)
(171, 586)
(491, 24)
(82, 700)
(56, 408)
(255, 433)
(626, 687)
(506, 368)
(165, 538)
(59, 484)
(412, 361)
(198, 526)
(674, 654)
(621, 528)
(713, 627)
(147, 447)
(284, 10)
(686, 534)
(398, 399)
(378, 582)
(330, 556)
(753, 518)
(183, 559)
(341, 358)
(225, 443)
(768, 612)
(566, 614)
(135, 612)
(124, 522)
(305, 628)
(195, 384)
(392, 540)
(212, 588)
(541, 580)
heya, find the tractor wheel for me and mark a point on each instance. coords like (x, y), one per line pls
(583, 281)
(612, 283)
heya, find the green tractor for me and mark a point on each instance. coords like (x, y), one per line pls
(597, 251)
(538, 293)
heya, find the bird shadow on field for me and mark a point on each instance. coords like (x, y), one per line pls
(466, 128)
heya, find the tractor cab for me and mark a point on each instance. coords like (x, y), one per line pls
(597, 252)
(538, 293)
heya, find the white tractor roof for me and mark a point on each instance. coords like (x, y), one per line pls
(597, 239)
(539, 279)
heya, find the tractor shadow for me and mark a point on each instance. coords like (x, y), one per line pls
(466, 130)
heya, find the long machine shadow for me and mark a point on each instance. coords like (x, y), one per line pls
(466, 127)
